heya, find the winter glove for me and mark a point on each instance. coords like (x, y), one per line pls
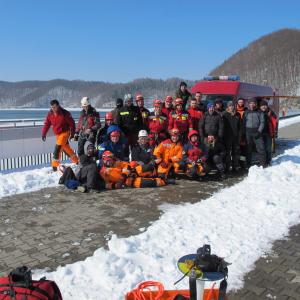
(76, 136)
(164, 164)
(257, 135)
(43, 138)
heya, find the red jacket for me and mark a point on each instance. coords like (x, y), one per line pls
(61, 122)
(157, 124)
(88, 120)
(167, 111)
(195, 115)
(180, 120)
(273, 124)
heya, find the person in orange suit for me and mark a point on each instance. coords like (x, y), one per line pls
(63, 126)
(169, 154)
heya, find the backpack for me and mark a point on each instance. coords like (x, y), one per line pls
(18, 285)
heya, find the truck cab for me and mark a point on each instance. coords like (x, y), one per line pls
(230, 88)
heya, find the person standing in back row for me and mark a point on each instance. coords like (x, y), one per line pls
(254, 123)
(88, 125)
(183, 94)
(63, 126)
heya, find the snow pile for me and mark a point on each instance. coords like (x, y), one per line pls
(27, 181)
(239, 222)
(289, 121)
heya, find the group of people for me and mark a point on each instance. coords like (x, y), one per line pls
(182, 136)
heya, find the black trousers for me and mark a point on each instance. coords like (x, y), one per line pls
(232, 152)
(89, 176)
(258, 142)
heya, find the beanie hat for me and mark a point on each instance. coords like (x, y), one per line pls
(253, 100)
(210, 105)
(229, 103)
(85, 101)
(263, 103)
(119, 102)
(182, 83)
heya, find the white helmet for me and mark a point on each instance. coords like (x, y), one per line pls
(85, 101)
(143, 133)
(128, 97)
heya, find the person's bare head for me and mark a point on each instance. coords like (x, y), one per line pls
(183, 86)
(54, 105)
(198, 97)
(193, 103)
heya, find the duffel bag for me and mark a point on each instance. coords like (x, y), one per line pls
(18, 285)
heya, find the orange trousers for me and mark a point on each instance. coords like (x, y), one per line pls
(163, 172)
(62, 145)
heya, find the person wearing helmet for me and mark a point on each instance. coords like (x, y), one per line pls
(116, 144)
(142, 157)
(180, 119)
(116, 110)
(130, 120)
(114, 172)
(87, 126)
(195, 113)
(183, 94)
(194, 157)
(167, 107)
(102, 132)
(168, 154)
(63, 126)
(157, 124)
(139, 99)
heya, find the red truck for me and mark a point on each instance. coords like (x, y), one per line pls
(229, 88)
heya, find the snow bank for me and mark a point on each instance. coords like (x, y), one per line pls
(239, 222)
(27, 181)
(289, 121)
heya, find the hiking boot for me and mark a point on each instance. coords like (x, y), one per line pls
(170, 181)
(81, 189)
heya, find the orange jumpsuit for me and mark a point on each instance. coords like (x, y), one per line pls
(170, 154)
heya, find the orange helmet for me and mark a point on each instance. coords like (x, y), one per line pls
(174, 132)
(139, 97)
(107, 155)
(109, 116)
(157, 102)
(169, 99)
(115, 133)
(178, 101)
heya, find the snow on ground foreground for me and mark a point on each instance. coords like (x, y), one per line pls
(239, 222)
(289, 121)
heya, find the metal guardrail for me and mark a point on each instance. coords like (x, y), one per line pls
(20, 162)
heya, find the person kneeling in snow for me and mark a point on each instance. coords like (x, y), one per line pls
(194, 156)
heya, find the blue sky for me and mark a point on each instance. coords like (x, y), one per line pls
(118, 41)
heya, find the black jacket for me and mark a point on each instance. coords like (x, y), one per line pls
(141, 154)
(184, 96)
(130, 120)
(211, 125)
(232, 125)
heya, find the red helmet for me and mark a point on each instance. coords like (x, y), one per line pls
(193, 132)
(115, 133)
(169, 99)
(174, 132)
(139, 97)
(157, 102)
(107, 155)
(178, 101)
(109, 116)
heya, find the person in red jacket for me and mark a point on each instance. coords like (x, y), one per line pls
(195, 113)
(167, 107)
(181, 120)
(63, 127)
(157, 124)
(139, 99)
(88, 125)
